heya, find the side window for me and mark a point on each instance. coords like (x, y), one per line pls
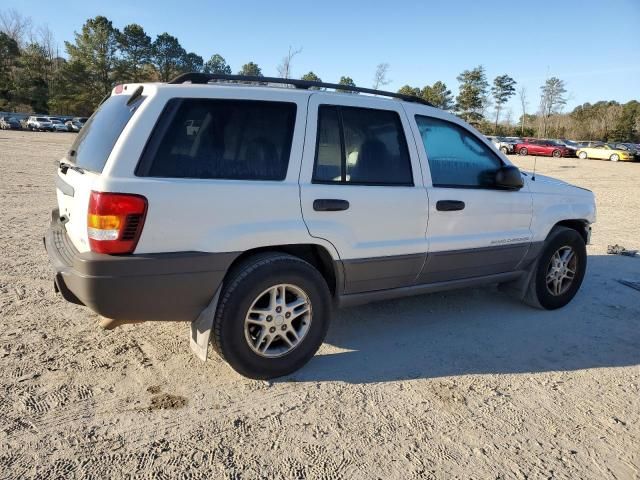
(456, 157)
(361, 146)
(225, 139)
(329, 163)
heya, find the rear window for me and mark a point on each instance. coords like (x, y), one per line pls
(98, 136)
(225, 139)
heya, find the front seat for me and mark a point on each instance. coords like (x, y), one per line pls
(374, 163)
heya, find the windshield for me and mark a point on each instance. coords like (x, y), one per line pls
(42, 119)
(98, 136)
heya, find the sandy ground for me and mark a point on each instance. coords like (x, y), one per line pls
(469, 384)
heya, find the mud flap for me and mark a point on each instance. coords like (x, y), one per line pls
(518, 288)
(201, 328)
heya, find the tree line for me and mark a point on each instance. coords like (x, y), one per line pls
(34, 77)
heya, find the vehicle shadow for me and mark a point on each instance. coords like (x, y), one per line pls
(485, 331)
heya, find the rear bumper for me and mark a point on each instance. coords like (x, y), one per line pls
(133, 288)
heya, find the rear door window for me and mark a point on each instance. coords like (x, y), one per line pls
(221, 139)
(95, 141)
(361, 146)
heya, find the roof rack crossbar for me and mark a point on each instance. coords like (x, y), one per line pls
(203, 78)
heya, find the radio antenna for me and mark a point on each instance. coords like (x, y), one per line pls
(535, 161)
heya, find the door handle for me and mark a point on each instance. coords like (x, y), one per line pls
(449, 205)
(330, 205)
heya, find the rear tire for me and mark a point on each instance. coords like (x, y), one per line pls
(557, 154)
(504, 150)
(550, 286)
(523, 151)
(582, 155)
(614, 157)
(240, 336)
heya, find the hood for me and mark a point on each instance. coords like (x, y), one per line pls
(543, 183)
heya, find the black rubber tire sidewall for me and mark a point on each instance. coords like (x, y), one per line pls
(562, 237)
(235, 300)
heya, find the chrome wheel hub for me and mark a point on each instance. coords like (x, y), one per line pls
(278, 320)
(561, 271)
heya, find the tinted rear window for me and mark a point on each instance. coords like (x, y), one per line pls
(226, 139)
(98, 136)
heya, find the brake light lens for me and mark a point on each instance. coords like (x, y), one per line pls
(115, 221)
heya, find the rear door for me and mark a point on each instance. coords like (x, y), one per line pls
(474, 229)
(85, 160)
(362, 189)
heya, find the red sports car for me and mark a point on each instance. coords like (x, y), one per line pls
(543, 147)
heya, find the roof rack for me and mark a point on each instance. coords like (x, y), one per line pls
(203, 78)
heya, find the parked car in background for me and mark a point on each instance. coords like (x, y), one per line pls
(589, 143)
(10, 123)
(76, 124)
(605, 152)
(58, 126)
(39, 124)
(543, 147)
(628, 147)
(503, 144)
(570, 144)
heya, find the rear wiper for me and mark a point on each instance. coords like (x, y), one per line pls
(64, 166)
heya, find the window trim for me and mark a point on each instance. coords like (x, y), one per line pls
(164, 121)
(343, 159)
(469, 132)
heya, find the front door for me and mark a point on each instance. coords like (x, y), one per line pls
(474, 229)
(362, 190)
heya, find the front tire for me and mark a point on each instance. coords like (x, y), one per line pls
(559, 271)
(582, 155)
(523, 151)
(614, 158)
(273, 315)
(557, 154)
(504, 150)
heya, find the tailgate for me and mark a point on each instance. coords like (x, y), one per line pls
(73, 189)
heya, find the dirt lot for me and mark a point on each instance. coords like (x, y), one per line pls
(469, 384)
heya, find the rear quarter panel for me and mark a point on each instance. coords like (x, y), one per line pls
(211, 215)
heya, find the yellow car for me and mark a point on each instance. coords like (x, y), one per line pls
(604, 152)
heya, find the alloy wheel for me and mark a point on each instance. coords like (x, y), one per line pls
(561, 271)
(278, 320)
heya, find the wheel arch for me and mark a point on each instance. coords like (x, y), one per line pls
(316, 255)
(579, 225)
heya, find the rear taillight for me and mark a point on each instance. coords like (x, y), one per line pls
(115, 221)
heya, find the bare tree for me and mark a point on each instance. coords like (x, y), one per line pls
(380, 77)
(44, 36)
(508, 117)
(522, 94)
(16, 26)
(284, 69)
(552, 99)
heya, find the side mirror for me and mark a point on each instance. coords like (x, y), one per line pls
(509, 177)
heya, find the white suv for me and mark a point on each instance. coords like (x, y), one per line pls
(39, 123)
(286, 202)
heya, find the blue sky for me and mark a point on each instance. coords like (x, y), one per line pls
(593, 45)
